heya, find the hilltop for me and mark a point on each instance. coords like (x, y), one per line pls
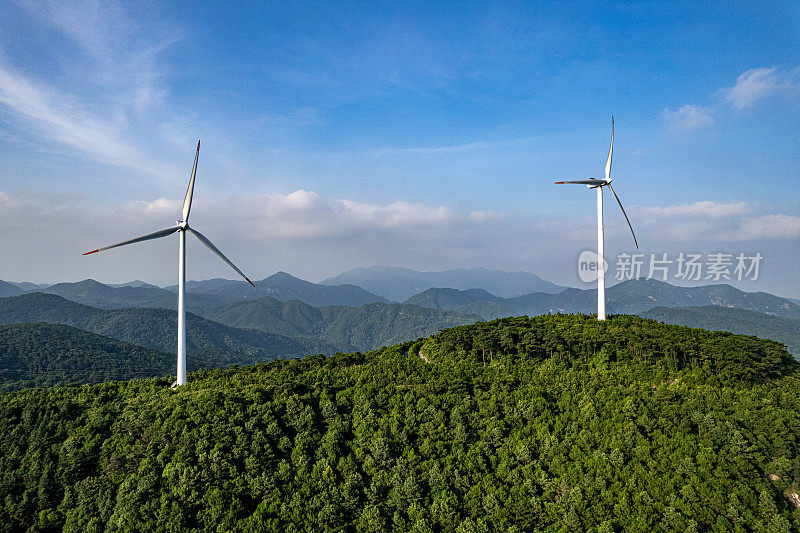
(545, 423)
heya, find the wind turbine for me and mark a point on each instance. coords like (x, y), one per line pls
(182, 226)
(594, 183)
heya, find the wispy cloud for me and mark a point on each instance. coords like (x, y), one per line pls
(751, 87)
(688, 118)
(125, 58)
(63, 120)
(757, 84)
(706, 209)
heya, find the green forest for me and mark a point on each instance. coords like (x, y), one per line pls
(552, 423)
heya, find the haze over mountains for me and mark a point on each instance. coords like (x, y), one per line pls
(399, 284)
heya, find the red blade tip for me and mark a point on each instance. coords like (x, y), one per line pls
(198, 145)
(248, 281)
(559, 183)
(92, 252)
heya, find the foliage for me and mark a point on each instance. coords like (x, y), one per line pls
(785, 330)
(47, 355)
(571, 424)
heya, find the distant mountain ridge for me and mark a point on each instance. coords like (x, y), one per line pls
(96, 294)
(398, 283)
(9, 289)
(283, 286)
(629, 297)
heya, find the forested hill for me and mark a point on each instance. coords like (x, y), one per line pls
(47, 355)
(570, 424)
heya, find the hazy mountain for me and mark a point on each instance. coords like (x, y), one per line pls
(348, 328)
(283, 287)
(470, 302)
(398, 284)
(156, 328)
(712, 317)
(27, 286)
(96, 294)
(134, 283)
(49, 355)
(9, 289)
(628, 297)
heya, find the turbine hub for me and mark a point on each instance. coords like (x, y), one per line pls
(182, 225)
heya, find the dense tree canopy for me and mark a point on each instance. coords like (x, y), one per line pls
(554, 423)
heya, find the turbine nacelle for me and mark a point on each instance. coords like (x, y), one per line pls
(600, 183)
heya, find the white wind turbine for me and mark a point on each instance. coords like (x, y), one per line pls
(181, 227)
(598, 184)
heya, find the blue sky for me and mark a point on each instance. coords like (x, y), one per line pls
(426, 135)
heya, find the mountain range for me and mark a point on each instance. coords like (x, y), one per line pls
(398, 284)
(283, 286)
(232, 323)
(629, 297)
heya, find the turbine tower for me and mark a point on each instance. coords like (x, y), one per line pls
(594, 183)
(182, 226)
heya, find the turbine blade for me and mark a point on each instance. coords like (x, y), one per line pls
(583, 182)
(214, 249)
(626, 215)
(187, 201)
(154, 235)
(610, 150)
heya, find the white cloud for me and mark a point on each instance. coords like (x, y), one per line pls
(305, 214)
(486, 216)
(298, 232)
(756, 84)
(769, 227)
(751, 87)
(717, 222)
(688, 118)
(697, 209)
